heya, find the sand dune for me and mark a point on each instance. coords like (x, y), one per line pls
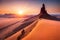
(45, 30)
(27, 29)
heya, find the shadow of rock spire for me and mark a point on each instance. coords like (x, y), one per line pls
(43, 14)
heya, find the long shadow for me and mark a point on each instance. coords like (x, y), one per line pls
(54, 19)
(51, 19)
(18, 28)
(8, 26)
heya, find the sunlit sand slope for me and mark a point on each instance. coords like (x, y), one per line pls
(45, 30)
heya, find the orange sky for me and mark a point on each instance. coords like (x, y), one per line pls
(27, 7)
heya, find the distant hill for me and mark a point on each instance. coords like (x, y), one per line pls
(7, 16)
(56, 15)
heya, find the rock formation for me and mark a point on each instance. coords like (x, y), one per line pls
(43, 14)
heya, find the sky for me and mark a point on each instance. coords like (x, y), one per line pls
(28, 7)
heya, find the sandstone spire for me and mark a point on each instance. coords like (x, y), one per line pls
(43, 14)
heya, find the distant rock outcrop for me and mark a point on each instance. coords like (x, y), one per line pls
(43, 14)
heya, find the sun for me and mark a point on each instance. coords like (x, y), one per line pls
(20, 12)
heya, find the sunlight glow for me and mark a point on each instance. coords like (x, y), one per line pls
(20, 12)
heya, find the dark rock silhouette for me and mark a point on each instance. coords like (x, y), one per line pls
(20, 36)
(43, 14)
